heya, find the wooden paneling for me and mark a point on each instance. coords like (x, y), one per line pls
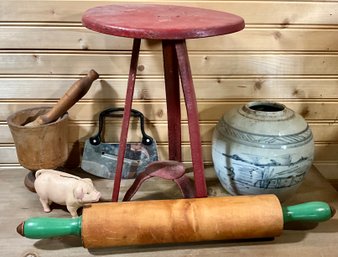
(282, 13)
(209, 63)
(223, 87)
(288, 53)
(261, 38)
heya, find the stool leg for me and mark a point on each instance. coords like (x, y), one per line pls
(172, 86)
(126, 118)
(193, 123)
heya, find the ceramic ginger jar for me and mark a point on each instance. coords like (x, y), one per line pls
(262, 148)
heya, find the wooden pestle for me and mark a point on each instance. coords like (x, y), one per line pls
(73, 95)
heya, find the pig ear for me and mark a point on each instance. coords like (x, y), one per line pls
(88, 180)
(78, 193)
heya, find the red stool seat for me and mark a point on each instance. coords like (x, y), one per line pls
(172, 25)
(160, 21)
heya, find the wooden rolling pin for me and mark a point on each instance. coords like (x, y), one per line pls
(73, 95)
(184, 220)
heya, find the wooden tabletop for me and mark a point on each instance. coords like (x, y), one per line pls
(310, 240)
(153, 21)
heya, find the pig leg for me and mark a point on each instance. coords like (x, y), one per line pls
(72, 210)
(45, 204)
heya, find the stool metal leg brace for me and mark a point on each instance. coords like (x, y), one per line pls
(176, 64)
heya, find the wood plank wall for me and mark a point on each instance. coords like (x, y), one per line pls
(287, 53)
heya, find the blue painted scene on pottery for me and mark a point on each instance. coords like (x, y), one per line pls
(262, 156)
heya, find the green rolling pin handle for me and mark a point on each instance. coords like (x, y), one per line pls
(309, 211)
(38, 228)
(44, 227)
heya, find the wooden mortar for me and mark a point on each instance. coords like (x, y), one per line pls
(40, 147)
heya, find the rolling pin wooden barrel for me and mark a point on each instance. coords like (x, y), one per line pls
(176, 221)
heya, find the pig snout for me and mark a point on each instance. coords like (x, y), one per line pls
(92, 197)
(89, 197)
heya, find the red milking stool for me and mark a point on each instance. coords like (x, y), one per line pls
(173, 25)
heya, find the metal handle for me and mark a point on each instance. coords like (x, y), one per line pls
(96, 139)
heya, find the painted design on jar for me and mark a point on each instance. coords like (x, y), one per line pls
(270, 175)
(269, 141)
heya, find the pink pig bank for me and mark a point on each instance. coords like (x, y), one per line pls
(65, 189)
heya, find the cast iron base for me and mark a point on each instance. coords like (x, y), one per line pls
(29, 181)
